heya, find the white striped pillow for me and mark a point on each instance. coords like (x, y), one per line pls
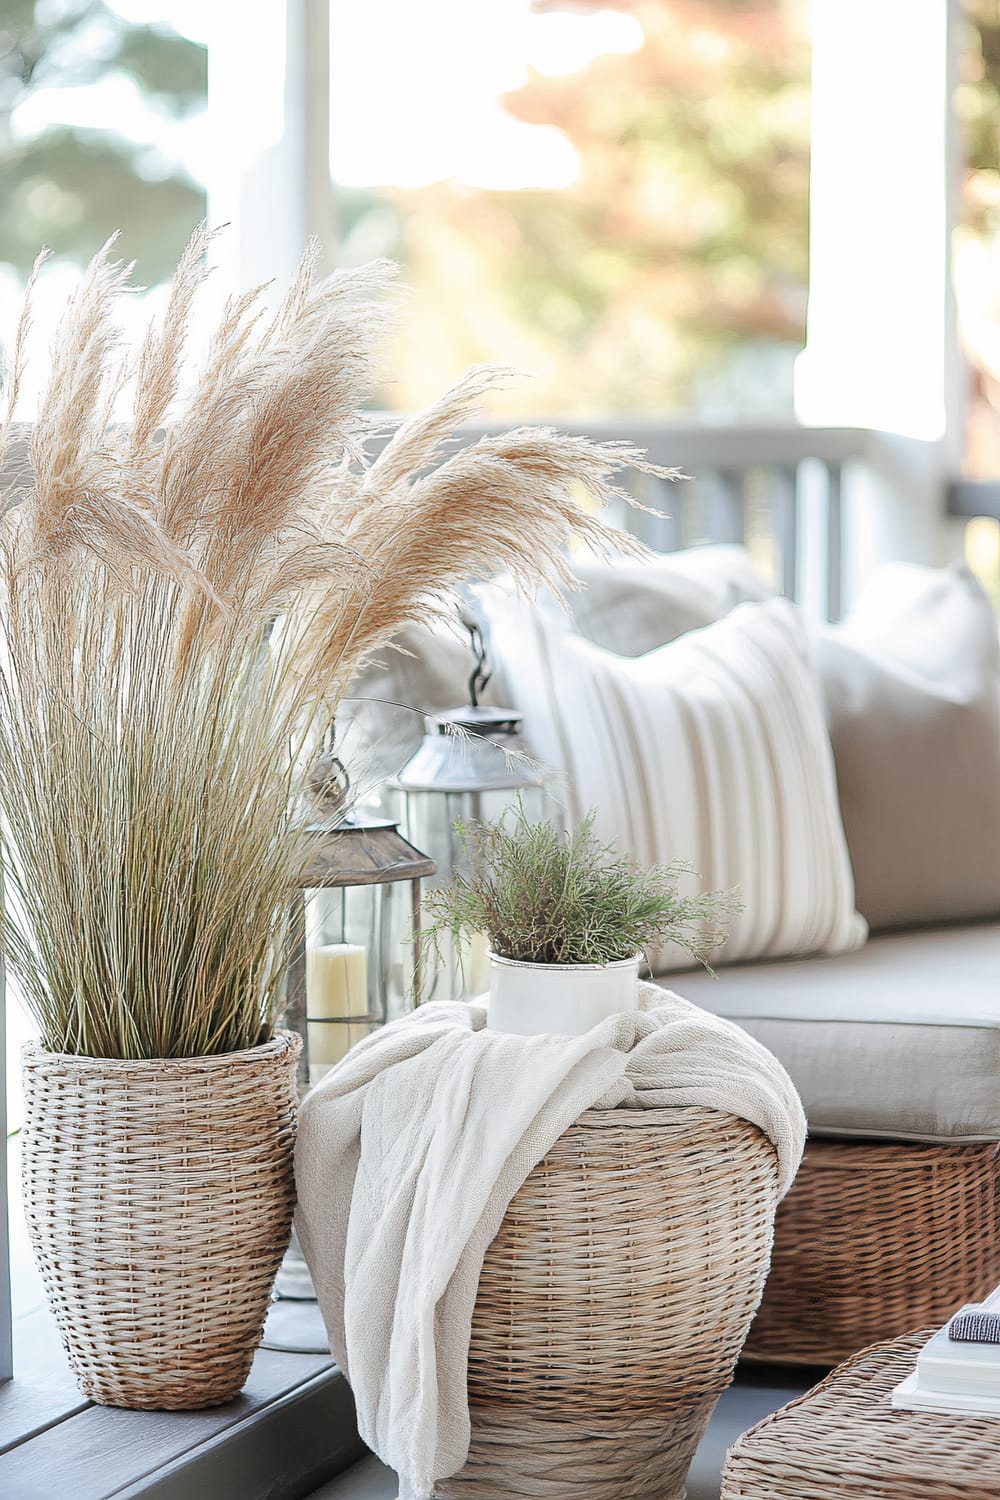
(712, 750)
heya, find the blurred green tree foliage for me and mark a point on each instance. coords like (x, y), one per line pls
(979, 112)
(67, 186)
(674, 272)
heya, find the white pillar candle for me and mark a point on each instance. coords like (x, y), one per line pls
(476, 963)
(336, 985)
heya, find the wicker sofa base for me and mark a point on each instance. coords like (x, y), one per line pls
(874, 1237)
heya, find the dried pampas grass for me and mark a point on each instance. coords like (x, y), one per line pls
(181, 615)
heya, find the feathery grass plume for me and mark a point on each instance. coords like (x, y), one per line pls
(14, 375)
(180, 617)
(417, 441)
(161, 360)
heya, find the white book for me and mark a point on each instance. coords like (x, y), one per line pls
(907, 1397)
(954, 1375)
(946, 1364)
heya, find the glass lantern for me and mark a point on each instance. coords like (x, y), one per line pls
(355, 964)
(473, 765)
(356, 944)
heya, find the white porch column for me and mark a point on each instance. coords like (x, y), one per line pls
(269, 94)
(6, 1342)
(882, 350)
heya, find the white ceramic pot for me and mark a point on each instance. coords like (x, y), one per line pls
(559, 999)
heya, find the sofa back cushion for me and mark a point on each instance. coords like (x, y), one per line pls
(710, 750)
(625, 605)
(911, 681)
(630, 606)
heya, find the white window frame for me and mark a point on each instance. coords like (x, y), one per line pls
(884, 195)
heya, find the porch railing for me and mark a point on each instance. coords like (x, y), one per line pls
(782, 489)
(974, 499)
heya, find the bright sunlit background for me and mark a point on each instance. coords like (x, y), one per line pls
(610, 194)
(612, 197)
(445, 75)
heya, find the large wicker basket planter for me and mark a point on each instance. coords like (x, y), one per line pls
(876, 1236)
(613, 1305)
(159, 1199)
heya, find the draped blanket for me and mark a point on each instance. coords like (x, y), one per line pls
(411, 1149)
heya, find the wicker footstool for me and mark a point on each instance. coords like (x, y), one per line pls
(843, 1441)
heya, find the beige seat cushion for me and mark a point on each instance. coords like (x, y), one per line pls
(900, 1039)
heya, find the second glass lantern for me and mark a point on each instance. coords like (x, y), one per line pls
(355, 964)
(473, 764)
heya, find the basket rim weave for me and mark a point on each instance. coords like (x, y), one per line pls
(658, 1114)
(280, 1043)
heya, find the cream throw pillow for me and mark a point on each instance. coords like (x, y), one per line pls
(711, 750)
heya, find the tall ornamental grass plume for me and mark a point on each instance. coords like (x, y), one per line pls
(181, 614)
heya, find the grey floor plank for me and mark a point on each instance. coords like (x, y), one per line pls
(44, 1390)
(740, 1407)
(282, 1452)
(744, 1404)
(101, 1449)
(368, 1480)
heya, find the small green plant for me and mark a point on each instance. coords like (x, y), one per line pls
(547, 897)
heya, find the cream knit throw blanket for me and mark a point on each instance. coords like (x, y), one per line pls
(410, 1150)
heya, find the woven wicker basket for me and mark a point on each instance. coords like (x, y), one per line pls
(159, 1198)
(876, 1236)
(613, 1304)
(843, 1440)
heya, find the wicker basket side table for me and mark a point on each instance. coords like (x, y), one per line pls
(613, 1304)
(843, 1441)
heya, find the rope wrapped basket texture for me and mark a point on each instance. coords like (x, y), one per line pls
(613, 1305)
(159, 1200)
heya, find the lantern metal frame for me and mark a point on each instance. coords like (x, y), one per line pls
(468, 756)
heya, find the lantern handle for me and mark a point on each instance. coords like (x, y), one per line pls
(329, 778)
(483, 670)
